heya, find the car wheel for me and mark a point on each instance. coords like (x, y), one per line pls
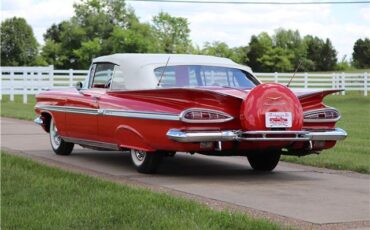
(146, 162)
(59, 146)
(265, 161)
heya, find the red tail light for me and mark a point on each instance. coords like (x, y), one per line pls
(204, 116)
(322, 115)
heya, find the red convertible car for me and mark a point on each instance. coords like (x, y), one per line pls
(155, 105)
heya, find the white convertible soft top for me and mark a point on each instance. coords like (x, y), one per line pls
(137, 70)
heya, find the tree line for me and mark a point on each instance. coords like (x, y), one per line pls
(109, 26)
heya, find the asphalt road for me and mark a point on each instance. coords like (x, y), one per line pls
(305, 195)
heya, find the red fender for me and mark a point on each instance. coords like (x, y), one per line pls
(128, 137)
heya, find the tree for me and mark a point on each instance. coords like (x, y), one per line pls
(361, 53)
(314, 45)
(88, 50)
(73, 43)
(54, 32)
(328, 57)
(286, 50)
(321, 53)
(18, 44)
(138, 39)
(276, 59)
(172, 33)
(293, 45)
(221, 49)
(258, 46)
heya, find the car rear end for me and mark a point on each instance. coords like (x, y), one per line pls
(271, 118)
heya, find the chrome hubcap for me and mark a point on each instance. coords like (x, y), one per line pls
(54, 136)
(138, 157)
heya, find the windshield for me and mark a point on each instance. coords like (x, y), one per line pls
(200, 75)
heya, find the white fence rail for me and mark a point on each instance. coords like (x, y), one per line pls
(347, 81)
(31, 80)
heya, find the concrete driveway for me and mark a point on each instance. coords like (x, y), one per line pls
(302, 196)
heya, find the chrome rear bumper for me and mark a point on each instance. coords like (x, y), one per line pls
(210, 136)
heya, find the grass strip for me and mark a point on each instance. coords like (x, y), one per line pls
(353, 153)
(35, 196)
(17, 109)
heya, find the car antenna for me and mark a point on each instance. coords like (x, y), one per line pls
(299, 65)
(164, 69)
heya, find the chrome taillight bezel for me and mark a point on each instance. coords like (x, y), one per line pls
(184, 119)
(320, 120)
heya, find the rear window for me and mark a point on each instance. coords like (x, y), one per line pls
(200, 75)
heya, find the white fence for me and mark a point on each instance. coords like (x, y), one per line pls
(347, 81)
(31, 80)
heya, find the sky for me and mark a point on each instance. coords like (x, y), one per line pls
(233, 24)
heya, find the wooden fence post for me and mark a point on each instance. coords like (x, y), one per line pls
(343, 86)
(24, 90)
(306, 80)
(365, 83)
(70, 75)
(51, 76)
(11, 96)
(333, 80)
(39, 80)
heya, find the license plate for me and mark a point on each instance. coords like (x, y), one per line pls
(278, 120)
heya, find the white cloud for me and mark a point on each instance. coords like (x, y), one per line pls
(365, 14)
(39, 14)
(233, 24)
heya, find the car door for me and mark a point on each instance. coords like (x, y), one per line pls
(82, 120)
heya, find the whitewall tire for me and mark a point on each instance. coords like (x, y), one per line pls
(146, 162)
(59, 146)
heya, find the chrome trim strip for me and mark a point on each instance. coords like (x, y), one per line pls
(180, 136)
(111, 112)
(68, 109)
(298, 135)
(143, 115)
(320, 120)
(273, 139)
(96, 144)
(234, 135)
(183, 119)
(273, 132)
(38, 120)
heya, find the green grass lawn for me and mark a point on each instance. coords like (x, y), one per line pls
(17, 109)
(35, 196)
(351, 154)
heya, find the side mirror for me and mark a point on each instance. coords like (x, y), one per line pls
(79, 86)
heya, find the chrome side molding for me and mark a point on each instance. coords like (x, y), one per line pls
(111, 112)
(94, 144)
